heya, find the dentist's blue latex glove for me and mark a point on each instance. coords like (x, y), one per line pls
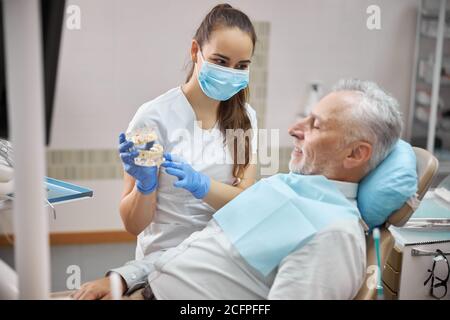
(193, 181)
(146, 177)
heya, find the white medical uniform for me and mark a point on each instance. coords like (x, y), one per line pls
(206, 265)
(178, 213)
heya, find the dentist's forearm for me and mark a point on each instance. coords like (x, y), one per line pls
(220, 194)
(137, 210)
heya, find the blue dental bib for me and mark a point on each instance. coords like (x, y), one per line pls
(280, 214)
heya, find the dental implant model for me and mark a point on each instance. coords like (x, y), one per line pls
(150, 153)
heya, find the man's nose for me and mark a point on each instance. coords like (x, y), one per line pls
(297, 129)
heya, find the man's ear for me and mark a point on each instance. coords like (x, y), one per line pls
(194, 51)
(359, 155)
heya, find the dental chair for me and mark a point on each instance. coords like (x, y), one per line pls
(427, 166)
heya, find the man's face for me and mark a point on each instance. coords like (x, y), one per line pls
(318, 138)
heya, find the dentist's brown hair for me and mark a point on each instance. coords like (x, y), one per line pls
(232, 113)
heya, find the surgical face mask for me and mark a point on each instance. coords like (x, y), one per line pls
(221, 83)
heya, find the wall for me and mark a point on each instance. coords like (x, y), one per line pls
(128, 52)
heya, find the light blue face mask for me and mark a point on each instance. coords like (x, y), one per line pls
(221, 83)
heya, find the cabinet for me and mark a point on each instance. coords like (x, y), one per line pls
(429, 114)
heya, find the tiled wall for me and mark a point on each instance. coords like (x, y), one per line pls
(259, 70)
(96, 164)
(100, 164)
(105, 164)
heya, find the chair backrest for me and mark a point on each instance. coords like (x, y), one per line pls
(427, 166)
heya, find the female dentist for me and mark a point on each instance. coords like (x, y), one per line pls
(163, 208)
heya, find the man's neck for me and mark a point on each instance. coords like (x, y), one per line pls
(353, 176)
(348, 189)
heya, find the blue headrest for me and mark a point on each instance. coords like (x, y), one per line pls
(386, 188)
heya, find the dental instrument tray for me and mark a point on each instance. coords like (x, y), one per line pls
(60, 191)
(428, 223)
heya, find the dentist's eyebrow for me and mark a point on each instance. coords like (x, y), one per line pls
(228, 59)
(221, 56)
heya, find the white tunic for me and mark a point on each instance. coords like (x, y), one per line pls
(178, 214)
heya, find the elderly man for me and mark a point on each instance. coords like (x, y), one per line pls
(346, 135)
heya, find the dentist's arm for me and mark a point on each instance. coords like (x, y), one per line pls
(220, 193)
(138, 203)
(215, 193)
(136, 209)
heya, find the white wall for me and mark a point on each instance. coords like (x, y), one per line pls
(327, 40)
(130, 51)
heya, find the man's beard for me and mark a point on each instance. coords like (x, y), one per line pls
(307, 168)
(301, 167)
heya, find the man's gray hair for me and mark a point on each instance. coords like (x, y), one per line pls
(375, 118)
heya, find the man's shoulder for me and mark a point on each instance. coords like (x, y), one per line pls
(342, 242)
(344, 228)
(332, 265)
(347, 234)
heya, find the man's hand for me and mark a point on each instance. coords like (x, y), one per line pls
(96, 290)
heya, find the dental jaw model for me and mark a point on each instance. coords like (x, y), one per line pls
(150, 158)
(150, 153)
